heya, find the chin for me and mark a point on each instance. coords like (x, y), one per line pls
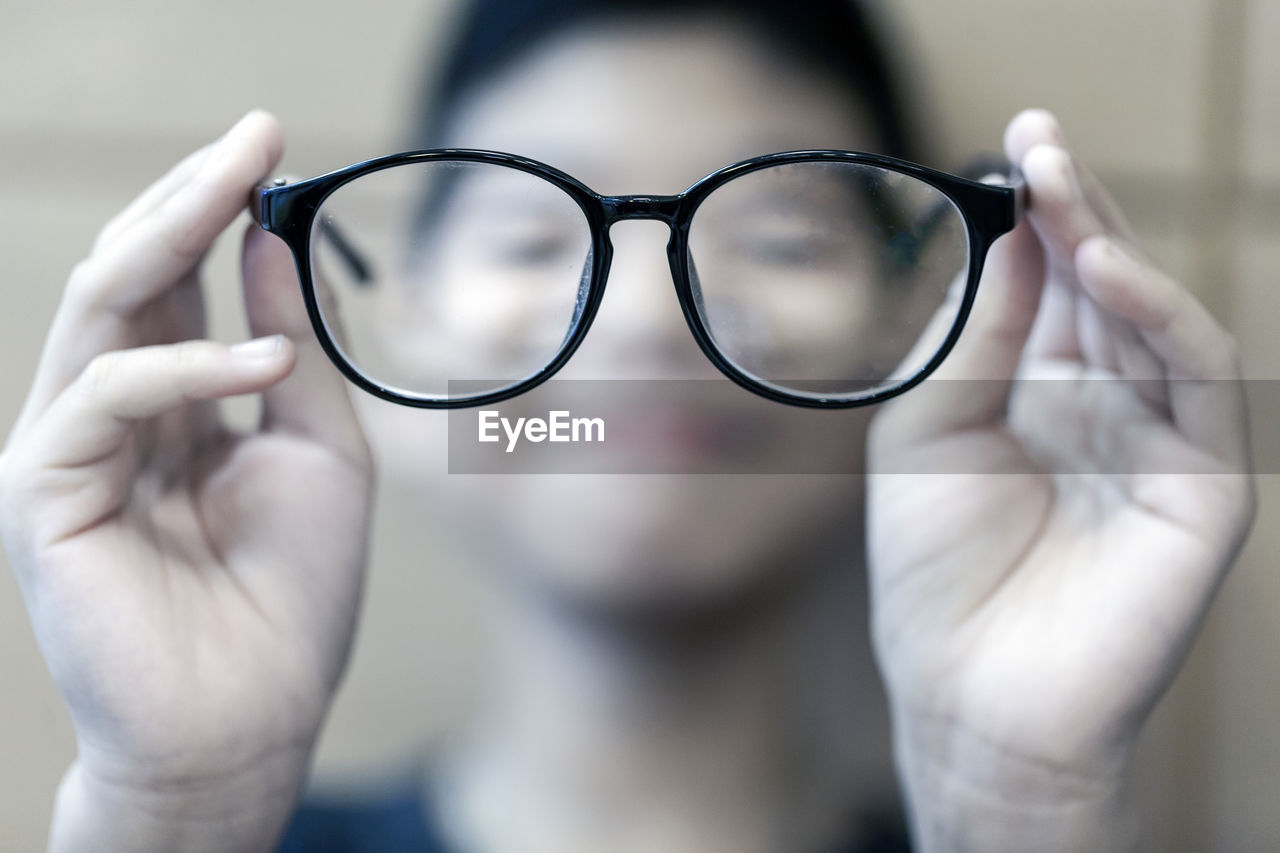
(666, 602)
(653, 551)
(676, 554)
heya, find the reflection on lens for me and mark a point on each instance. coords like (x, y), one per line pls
(828, 279)
(445, 271)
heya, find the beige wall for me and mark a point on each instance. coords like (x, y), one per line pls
(96, 99)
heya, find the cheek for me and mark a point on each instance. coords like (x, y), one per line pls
(460, 318)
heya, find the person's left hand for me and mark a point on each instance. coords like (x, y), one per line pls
(1042, 552)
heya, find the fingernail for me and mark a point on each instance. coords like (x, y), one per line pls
(1055, 129)
(258, 347)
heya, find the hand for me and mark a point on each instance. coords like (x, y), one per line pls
(1039, 573)
(193, 590)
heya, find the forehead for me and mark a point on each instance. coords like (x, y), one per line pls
(653, 107)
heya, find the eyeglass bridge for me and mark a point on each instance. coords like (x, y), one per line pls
(662, 207)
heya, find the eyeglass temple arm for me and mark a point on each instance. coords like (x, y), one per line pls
(356, 261)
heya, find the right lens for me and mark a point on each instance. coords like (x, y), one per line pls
(828, 279)
(446, 271)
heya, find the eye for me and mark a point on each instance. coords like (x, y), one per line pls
(793, 251)
(526, 250)
(788, 248)
(524, 243)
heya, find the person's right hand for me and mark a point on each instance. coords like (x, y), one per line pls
(193, 590)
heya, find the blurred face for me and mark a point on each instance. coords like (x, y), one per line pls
(642, 109)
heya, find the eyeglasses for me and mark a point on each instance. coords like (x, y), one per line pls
(451, 278)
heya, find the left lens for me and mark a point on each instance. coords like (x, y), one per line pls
(828, 279)
(446, 279)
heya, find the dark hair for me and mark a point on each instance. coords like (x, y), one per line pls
(836, 37)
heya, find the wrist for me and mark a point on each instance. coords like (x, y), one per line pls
(966, 792)
(239, 812)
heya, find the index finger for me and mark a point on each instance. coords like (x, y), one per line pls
(151, 254)
(167, 242)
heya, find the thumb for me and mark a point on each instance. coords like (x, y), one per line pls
(313, 401)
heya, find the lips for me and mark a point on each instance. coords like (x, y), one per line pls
(685, 438)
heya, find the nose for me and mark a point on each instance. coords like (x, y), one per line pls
(639, 331)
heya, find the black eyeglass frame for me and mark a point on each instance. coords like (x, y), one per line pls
(288, 210)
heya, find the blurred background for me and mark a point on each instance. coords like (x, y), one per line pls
(1172, 102)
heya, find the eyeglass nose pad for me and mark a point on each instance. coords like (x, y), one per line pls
(640, 330)
(639, 279)
(584, 290)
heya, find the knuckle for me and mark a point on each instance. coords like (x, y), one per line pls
(177, 224)
(185, 241)
(186, 355)
(100, 373)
